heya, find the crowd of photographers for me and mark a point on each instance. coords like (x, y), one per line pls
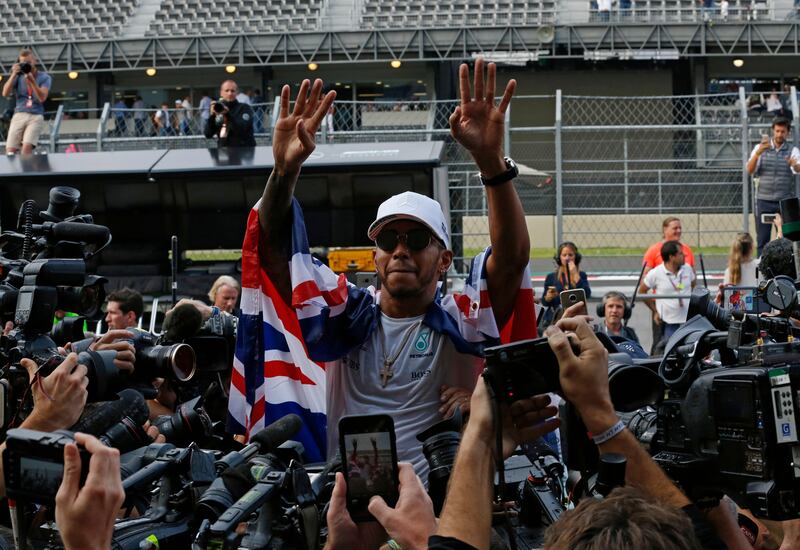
(412, 254)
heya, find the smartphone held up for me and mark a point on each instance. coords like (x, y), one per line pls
(369, 454)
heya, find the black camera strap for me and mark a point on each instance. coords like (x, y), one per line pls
(500, 464)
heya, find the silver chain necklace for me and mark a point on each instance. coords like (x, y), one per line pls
(388, 362)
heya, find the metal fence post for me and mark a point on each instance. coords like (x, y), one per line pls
(273, 119)
(101, 126)
(625, 170)
(54, 130)
(559, 182)
(507, 132)
(795, 131)
(745, 156)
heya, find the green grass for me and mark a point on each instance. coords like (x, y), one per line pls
(546, 253)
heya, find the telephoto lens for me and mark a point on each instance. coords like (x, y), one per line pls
(440, 445)
(176, 361)
(219, 107)
(189, 423)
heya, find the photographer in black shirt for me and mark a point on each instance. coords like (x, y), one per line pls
(230, 121)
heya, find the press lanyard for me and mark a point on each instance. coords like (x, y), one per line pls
(29, 103)
(680, 286)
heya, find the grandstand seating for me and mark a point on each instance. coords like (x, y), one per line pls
(32, 21)
(43, 20)
(234, 16)
(444, 13)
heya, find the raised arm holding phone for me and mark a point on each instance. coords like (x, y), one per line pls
(774, 162)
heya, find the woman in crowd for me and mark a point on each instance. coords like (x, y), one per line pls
(566, 276)
(741, 270)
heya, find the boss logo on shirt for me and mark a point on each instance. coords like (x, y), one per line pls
(420, 374)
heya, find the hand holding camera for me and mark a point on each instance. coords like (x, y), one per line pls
(583, 376)
(59, 398)
(218, 108)
(526, 419)
(85, 515)
(116, 340)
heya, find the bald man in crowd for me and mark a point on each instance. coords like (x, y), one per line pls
(229, 120)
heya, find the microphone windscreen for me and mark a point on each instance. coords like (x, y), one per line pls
(271, 437)
(97, 420)
(182, 322)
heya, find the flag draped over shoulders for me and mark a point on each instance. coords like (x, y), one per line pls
(282, 349)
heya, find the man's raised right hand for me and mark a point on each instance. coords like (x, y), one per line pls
(293, 138)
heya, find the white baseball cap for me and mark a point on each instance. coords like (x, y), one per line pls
(411, 206)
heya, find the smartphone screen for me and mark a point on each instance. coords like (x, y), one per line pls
(572, 297)
(369, 455)
(768, 218)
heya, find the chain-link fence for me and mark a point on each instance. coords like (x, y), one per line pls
(600, 171)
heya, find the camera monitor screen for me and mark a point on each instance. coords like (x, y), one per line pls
(369, 464)
(744, 299)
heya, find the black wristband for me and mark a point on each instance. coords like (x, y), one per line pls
(511, 172)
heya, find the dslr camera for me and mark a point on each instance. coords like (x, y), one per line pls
(33, 463)
(219, 107)
(25, 67)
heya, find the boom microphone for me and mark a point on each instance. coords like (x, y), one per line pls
(277, 433)
(182, 322)
(76, 232)
(98, 420)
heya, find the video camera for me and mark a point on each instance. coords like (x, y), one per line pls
(729, 422)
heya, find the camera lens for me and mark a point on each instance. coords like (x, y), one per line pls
(179, 359)
(572, 298)
(25, 67)
(440, 450)
(219, 108)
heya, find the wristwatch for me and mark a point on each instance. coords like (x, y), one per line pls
(511, 172)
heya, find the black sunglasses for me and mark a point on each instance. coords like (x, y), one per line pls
(415, 240)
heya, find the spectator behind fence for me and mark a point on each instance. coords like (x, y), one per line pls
(31, 88)
(120, 117)
(566, 276)
(233, 126)
(139, 116)
(186, 116)
(204, 107)
(774, 162)
(162, 121)
(673, 276)
(614, 309)
(741, 270)
(671, 230)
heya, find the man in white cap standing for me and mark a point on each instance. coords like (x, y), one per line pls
(403, 350)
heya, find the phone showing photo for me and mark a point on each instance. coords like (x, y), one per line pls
(369, 457)
(768, 218)
(571, 297)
